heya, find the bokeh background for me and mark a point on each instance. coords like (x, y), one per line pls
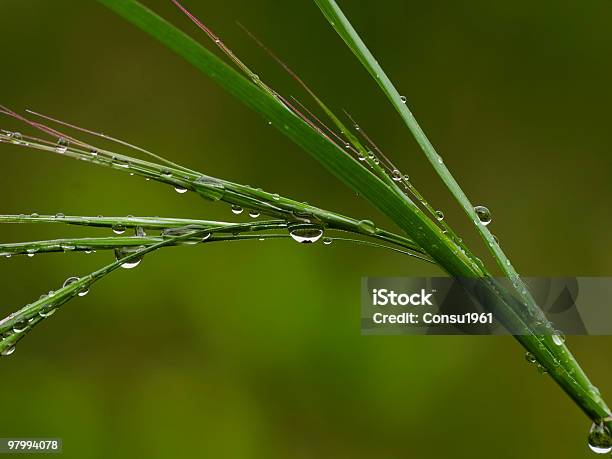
(253, 350)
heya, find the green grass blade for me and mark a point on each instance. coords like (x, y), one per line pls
(346, 31)
(408, 217)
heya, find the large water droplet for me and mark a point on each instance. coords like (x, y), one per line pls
(558, 338)
(237, 209)
(62, 145)
(367, 226)
(118, 229)
(20, 327)
(396, 175)
(8, 351)
(484, 214)
(122, 253)
(600, 439)
(439, 215)
(305, 233)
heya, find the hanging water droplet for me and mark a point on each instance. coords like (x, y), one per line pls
(530, 357)
(484, 214)
(118, 229)
(361, 157)
(84, 291)
(254, 214)
(88, 251)
(166, 172)
(558, 338)
(327, 240)
(600, 439)
(120, 162)
(403, 99)
(122, 253)
(237, 210)
(396, 175)
(8, 351)
(305, 233)
(93, 152)
(62, 145)
(439, 215)
(180, 189)
(48, 311)
(31, 252)
(20, 327)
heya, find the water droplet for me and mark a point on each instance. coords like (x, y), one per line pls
(118, 229)
(48, 311)
(84, 291)
(166, 172)
(530, 357)
(327, 240)
(347, 146)
(20, 327)
(439, 215)
(367, 226)
(120, 162)
(558, 338)
(8, 351)
(254, 214)
(237, 210)
(407, 178)
(34, 215)
(180, 189)
(396, 175)
(70, 280)
(440, 160)
(59, 215)
(276, 196)
(17, 138)
(140, 232)
(62, 145)
(67, 247)
(600, 439)
(93, 152)
(403, 99)
(122, 253)
(371, 155)
(305, 233)
(31, 252)
(361, 157)
(484, 214)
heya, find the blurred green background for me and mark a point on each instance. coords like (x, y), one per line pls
(254, 349)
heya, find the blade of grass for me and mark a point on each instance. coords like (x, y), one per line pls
(425, 233)
(345, 30)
